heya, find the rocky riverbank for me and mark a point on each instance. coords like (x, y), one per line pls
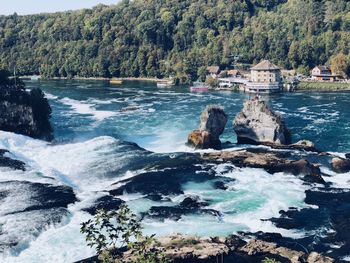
(236, 248)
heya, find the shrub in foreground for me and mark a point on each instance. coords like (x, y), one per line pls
(113, 232)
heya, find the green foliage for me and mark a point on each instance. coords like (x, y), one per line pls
(212, 82)
(184, 243)
(110, 232)
(341, 64)
(160, 38)
(270, 260)
(325, 86)
(145, 251)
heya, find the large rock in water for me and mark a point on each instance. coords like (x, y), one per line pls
(257, 124)
(23, 112)
(212, 124)
(341, 165)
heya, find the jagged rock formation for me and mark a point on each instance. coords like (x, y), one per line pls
(257, 124)
(23, 112)
(212, 124)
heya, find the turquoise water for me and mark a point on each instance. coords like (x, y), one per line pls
(162, 118)
(99, 129)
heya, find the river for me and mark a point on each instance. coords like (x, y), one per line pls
(106, 134)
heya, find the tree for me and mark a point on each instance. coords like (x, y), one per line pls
(137, 38)
(340, 64)
(111, 232)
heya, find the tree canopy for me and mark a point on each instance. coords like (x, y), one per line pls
(175, 37)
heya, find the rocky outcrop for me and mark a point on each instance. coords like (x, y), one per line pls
(107, 202)
(257, 124)
(269, 161)
(258, 247)
(23, 112)
(212, 124)
(189, 206)
(182, 248)
(341, 165)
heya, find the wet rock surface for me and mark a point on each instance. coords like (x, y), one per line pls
(108, 203)
(38, 196)
(257, 124)
(190, 205)
(27, 209)
(10, 163)
(153, 183)
(328, 221)
(270, 161)
(212, 124)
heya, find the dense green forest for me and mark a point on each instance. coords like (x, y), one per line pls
(176, 37)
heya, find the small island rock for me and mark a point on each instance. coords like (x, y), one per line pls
(212, 124)
(257, 124)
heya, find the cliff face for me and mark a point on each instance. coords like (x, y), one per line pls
(23, 112)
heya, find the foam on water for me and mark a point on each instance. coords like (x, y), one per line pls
(346, 258)
(80, 165)
(340, 181)
(50, 96)
(89, 109)
(252, 196)
(84, 166)
(61, 243)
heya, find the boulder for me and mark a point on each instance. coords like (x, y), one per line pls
(213, 119)
(347, 156)
(203, 140)
(257, 124)
(212, 124)
(304, 143)
(341, 165)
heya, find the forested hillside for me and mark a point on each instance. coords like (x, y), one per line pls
(175, 37)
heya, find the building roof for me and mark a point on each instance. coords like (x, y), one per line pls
(265, 65)
(213, 69)
(323, 68)
(233, 72)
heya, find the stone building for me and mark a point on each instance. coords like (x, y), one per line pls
(265, 78)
